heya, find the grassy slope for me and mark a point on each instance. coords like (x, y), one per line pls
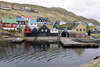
(95, 63)
(55, 14)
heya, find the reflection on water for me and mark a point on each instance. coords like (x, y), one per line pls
(44, 54)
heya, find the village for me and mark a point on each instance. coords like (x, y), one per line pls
(28, 27)
(23, 35)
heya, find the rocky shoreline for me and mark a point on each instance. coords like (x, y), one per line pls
(94, 63)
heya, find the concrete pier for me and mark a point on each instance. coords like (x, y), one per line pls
(68, 42)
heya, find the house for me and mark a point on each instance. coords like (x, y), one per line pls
(19, 16)
(41, 20)
(67, 27)
(27, 9)
(35, 32)
(83, 23)
(44, 31)
(4, 7)
(79, 28)
(65, 34)
(97, 30)
(62, 22)
(20, 22)
(90, 24)
(8, 24)
(54, 32)
(32, 24)
(27, 17)
(21, 9)
(27, 32)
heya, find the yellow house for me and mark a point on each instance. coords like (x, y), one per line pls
(79, 28)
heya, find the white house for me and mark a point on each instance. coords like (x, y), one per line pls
(62, 22)
(53, 30)
(32, 24)
(90, 24)
(27, 8)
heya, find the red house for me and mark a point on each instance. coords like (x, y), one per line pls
(27, 32)
(27, 18)
(8, 24)
(4, 7)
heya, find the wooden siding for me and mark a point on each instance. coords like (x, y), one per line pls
(8, 25)
(79, 29)
(27, 30)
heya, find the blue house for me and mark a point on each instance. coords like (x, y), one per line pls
(32, 24)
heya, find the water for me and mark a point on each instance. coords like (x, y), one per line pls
(42, 54)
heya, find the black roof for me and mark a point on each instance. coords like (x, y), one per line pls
(75, 26)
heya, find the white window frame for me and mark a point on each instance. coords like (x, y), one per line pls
(45, 30)
(41, 30)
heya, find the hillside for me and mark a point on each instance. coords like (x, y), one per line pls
(54, 13)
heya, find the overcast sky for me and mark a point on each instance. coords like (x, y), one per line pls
(86, 8)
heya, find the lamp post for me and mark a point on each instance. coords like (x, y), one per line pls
(66, 31)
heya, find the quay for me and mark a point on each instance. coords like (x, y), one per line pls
(65, 42)
(68, 42)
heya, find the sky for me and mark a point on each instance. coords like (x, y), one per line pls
(87, 8)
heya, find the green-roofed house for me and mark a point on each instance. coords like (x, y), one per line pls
(97, 30)
(67, 27)
(8, 24)
(20, 22)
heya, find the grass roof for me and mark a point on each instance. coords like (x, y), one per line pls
(64, 25)
(98, 29)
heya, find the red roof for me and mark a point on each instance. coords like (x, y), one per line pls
(27, 16)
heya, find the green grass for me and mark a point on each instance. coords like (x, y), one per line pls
(92, 27)
(64, 25)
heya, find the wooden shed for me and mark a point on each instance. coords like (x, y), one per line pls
(44, 31)
(35, 32)
(27, 32)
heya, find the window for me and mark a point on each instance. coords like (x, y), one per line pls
(45, 30)
(29, 29)
(25, 29)
(9, 24)
(41, 30)
(14, 25)
(83, 29)
(5, 24)
(76, 29)
(80, 29)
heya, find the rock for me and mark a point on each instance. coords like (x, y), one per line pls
(97, 57)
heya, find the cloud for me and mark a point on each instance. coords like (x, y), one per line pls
(86, 8)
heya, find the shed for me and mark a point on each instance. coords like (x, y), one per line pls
(65, 34)
(35, 32)
(44, 31)
(27, 32)
(54, 32)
